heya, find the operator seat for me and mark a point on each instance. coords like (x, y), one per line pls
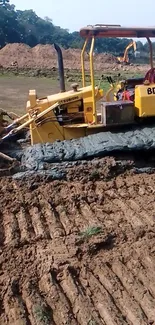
(129, 90)
(128, 93)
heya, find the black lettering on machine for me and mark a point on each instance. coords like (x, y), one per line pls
(151, 91)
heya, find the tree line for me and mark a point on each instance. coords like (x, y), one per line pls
(17, 26)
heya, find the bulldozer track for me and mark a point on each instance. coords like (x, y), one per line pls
(51, 274)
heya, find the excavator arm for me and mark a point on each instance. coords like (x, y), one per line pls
(125, 58)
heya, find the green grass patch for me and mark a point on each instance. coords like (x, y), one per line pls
(89, 232)
(42, 314)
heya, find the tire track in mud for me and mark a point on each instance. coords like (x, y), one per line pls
(56, 299)
(130, 309)
(49, 274)
(136, 289)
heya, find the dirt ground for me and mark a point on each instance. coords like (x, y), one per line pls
(79, 252)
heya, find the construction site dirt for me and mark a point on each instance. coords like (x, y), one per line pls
(80, 250)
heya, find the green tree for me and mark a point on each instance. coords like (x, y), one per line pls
(4, 3)
(26, 27)
(9, 27)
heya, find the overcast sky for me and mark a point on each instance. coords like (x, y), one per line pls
(74, 14)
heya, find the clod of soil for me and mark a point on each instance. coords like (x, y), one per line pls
(78, 252)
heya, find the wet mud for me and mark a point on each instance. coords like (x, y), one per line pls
(134, 147)
(78, 252)
(97, 145)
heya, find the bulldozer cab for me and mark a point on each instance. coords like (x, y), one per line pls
(90, 33)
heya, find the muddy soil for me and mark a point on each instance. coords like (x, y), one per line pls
(79, 251)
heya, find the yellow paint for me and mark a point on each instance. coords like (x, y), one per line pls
(92, 79)
(48, 128)
(144, 102)
(83, 63)
(88, 110)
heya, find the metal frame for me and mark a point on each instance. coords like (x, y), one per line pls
(151, 52)
(91, 73)
(83, 63)
(100, 30)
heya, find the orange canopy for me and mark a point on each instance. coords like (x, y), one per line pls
(116, 31)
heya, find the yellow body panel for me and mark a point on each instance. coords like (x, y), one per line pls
(88, 110)
(74, 133)
(48, 128)
(48, 132)
(68, 96)
(42, 134)
(145, 100)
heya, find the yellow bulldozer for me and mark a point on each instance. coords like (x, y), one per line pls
(87, 110)
(125, 58)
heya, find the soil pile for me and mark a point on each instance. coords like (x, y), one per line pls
(45, 56)
(11, 53)
(78, 252)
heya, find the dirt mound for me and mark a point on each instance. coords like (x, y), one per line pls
(44, 52)
(78, 252)
(15, 49)
(45, 56)
(106, 58)
(72, 54)
(20, 53)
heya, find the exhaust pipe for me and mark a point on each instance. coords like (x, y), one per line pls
(61, 68)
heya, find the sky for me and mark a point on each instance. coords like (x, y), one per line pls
(75, 14)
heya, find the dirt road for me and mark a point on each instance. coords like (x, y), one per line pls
(78, 252)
